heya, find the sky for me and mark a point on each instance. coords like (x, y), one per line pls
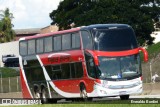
(30, 13)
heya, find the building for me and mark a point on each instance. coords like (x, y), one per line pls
(49, 29)
(26, 32)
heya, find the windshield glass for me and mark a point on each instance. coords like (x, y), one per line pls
(117, 39)
(119, 67)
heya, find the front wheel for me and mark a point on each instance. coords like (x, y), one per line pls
(124, 97)
(83, 92)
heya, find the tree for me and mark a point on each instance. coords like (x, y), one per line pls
(140, 14)
(6, 32)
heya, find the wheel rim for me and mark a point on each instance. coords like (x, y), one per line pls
(84, 94)
(37, 95)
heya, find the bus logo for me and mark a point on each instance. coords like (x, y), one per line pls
(59, 58)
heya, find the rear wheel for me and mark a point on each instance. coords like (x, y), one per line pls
(43, 96)
(124, 97)
(36, 92)
(36, 95)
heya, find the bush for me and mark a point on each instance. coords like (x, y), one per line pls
(8, 72)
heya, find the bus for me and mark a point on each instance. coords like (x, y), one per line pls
(95, 61)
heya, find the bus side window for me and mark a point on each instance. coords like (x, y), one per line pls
(48, 44)
(73, 70)
(39, 45)
(31, 47)
(75, 40)
(86, 40)
(66, 44)
(23, 48)
(56, 72)
(76, 70)
(57, 43)
(79, 69)
(65, 71)
(90, 65)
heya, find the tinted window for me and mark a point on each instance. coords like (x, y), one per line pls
(65, 71)
(115, 39)
(90, 65)
(48, 44)
(56, 72)
(66, 41)
(39, 45)
(57, 43)
(23, 48)
(73, 70)
(34, 74)
(75, 40)
(31, 47)
(79, 69)
(86, 40)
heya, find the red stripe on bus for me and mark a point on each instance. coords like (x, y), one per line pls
(25, 91)
(119, 53)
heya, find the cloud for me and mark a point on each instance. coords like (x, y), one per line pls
(30, 13)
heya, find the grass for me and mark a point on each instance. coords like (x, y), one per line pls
(92, 105)
(8, 72)
(107, 103)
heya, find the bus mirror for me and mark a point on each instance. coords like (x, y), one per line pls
(145, 54)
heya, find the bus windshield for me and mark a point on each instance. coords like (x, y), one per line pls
(117, 39)
(119, 67)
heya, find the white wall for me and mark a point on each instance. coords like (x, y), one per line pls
(8, 48)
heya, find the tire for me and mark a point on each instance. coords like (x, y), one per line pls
(43, 96)
(36, 94)
(124, 97)
(83, 93)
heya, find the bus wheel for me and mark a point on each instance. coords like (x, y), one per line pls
(43, 96)
(83, 92)
(124, 97)
(36, 92)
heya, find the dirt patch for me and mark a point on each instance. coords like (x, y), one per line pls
(151, 88)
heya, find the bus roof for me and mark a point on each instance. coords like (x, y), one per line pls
(48, 34)
(95, 26)
(105, 26)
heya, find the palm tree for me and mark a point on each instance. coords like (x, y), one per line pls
(6, 32)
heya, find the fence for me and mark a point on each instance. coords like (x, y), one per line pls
(10, 84)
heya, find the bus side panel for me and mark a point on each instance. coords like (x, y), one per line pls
(25, 91)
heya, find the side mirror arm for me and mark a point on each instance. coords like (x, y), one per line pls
(145, 54)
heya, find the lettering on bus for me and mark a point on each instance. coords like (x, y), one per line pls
(59, 59)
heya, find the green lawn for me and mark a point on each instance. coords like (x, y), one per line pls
(92, 105)
(8, 72)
